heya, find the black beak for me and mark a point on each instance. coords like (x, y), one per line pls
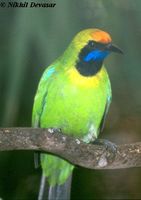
(114, 48)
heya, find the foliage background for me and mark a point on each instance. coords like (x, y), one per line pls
(30, 39)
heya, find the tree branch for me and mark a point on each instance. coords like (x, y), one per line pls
(74, 150)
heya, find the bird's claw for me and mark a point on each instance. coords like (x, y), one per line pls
(54, 130)
(110, 147)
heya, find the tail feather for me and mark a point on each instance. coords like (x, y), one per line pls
(57, 192)
(60, 192)
(43, 191)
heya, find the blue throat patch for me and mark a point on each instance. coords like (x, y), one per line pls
(96, 55)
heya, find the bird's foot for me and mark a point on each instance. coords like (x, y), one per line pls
(110, 148)
(54, 130)
(108, 145)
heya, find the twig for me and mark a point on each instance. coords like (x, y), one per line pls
(74, 150)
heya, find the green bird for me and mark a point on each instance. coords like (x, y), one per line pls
(74, 95)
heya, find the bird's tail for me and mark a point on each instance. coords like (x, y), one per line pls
(57, 192)
(43, 191)
(60, 192)
(58, 173)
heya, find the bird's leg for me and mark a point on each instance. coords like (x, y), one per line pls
(109, 146)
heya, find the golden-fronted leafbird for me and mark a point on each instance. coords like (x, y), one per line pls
(73, 95)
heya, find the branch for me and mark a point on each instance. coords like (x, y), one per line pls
(74, 150)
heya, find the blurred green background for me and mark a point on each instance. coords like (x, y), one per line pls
(30, 39)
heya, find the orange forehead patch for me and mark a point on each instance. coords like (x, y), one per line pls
(101, 36)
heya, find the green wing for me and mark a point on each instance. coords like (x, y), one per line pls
(52, 166)
(102, 124)
(39, 102)
(41, 96)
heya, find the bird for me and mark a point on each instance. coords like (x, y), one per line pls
(73, 96)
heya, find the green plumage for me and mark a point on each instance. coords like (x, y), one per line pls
(74, 103)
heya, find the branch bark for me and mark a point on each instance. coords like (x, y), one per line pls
(74, 150)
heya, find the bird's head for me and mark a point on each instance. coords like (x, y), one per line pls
(92, 47)
(95, 44)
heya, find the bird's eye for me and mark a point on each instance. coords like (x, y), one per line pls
(91, 43)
